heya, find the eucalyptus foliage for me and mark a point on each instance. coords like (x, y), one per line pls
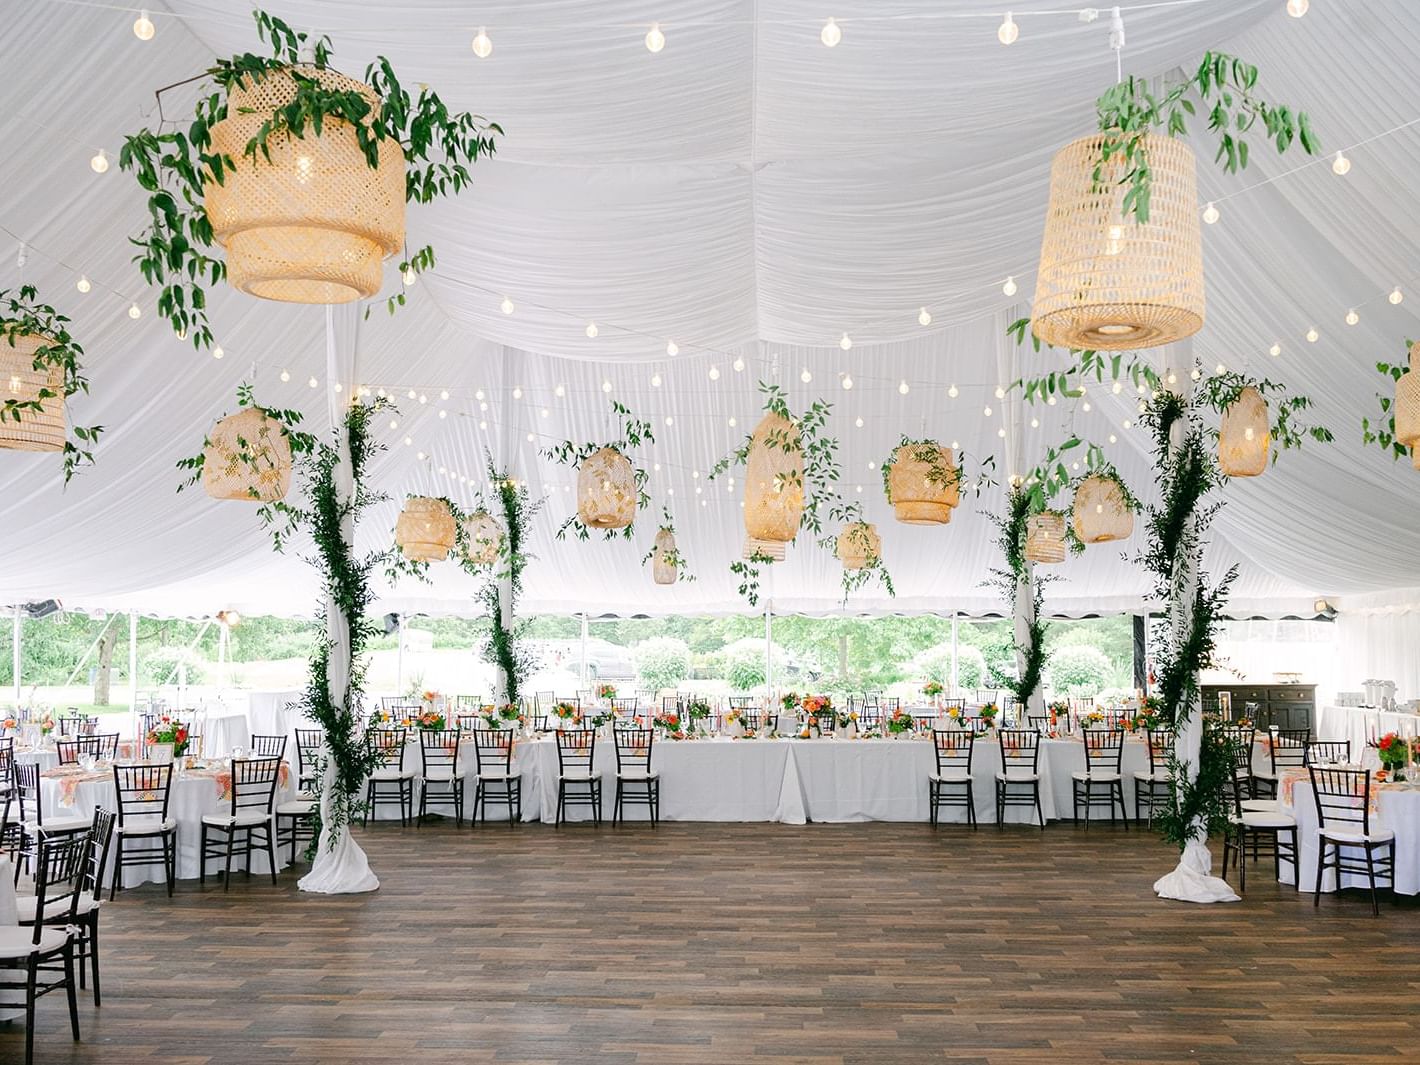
(175, 165)
(747, 572)
(22, 314)
(1380, 430)
(851, 516)
(1285, 410)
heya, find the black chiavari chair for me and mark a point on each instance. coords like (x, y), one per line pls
(496, 780)
(1286, 749)
(77, 724)
(635, 781)
(624, 706)
(670, 704)
(439, 755)
(145, 831)
(310, 751)
(1269, 832)
(248, 824)
(578, 782)
(390, 780)
(470, 722)
(1020, 770)
(29, 797)
(1038, 722)
(1154, 787)
(1101, 782)
(1327, 752)
(950, 784)
(1343, 815)
(268, 746)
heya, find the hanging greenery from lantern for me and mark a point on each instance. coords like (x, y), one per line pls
(250, 455)
(300, 173)
(41, 368)
(1083, 366)
(1265, 407)
(922, 481)
(427, 529)
(668, 565)
(1103, 507)
(610, 489)
(1397, 429)
(481, 538)
(747, 572)
(860, 549)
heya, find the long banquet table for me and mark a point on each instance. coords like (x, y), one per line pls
(1397, 807)
(1362, 724)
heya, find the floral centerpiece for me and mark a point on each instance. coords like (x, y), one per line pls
(606, 691)
(504, 716)
(1093, 719)
(789, 701)
(567, 715)
(988, 714)
(9, 724)
(1149, 715)
(816, 704)
(899, 722)
(1395, 753)
(669, 723)
(954, 716)
(696, 711)
(848, 724)
(933, 690)
(431, 721)
(735, 723)
(164, 730)
(46, 723)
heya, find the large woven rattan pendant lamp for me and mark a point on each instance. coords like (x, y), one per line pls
(859, 545)
(1045, 537)
(1407, 407)
(1244, 435)
(1100, 513)
(663, 553)
(36, 430)
(606, 490)
(915, 486)
(774, 487)
(315, 222)
(248, 456)
(483, 538)
(1107, 282)
(425, 530)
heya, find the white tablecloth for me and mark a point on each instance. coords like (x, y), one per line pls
(1360, 725)
(1397, 809)
(274, 714)
(12, 1003)
(223, 728)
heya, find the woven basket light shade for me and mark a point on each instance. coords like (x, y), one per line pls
(1244, 436)
(1105, 281)
(774, 487)
(248, 456)
(606, 490)
(1099, 513)
(315, 223)
(915, 499)
(41, 430)
(859, 545)
(425, 529)
(1407, 407)
(484, 538)
(1045, 537)
(663, 570)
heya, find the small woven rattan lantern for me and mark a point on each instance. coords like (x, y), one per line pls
(859, 545)
(1045, 537)
(41, 430)
(774, 487)
(1106, 281)
(315, 222)
(663, 570)
(1407, 407)
(483, 538)
(1244, 436)
(1100, 513)
(425, 529)
(916, 498)
(248, 456)
(606, 490)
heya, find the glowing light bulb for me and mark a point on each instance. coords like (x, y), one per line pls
(408, 440)
(1117, 387)
(655, 39)
(1035, 423)
(83, 284)
(903, 388)
(655, 380)
(1086, 406)
(217, 351)
(506, 306)
(732, 421)
(845, 342)
(410, 394)
(830, 35)
(560, 391)
(805, 376)
(1195, 374)
(143, 27)
(420, 455)
(923, 318)
(478, 395)
(1340, 166)
(1220, 369)
(409, 276)
(286, 376)
(872, 465)
(1312, 334)
(1001, 432)
(1352, 317)
(953, 392)
(423, 398)
(1173, 378)
(517, 392)
(443, 414)
(1127, 423)
(986, 411)
(99, 163)
(1298, 8)
(714, 373)
(591, 330)
(606, 386)
(1050, 401)
(669, 420)
(858, 421)
(738, 364)
(482, 44)
(1009, 288)
(134, 312)
(847, 382)
(1000, 392)
(1113, 439)
(1275, 350)
(1008, 30)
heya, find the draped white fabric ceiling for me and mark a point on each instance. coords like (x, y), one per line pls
(745, 192)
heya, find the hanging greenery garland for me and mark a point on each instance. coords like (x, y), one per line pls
(179, 167)
(1382, 431)
(858, 547)
(747, 571)
(665, 554)
(610, 488)
(1286, 427)
(507, 649)
(43, 365)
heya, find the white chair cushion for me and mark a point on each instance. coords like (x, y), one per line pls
(951, 776)
(1159, 777)
(296, 808)
(58, 825)
(1261, 805)
(248, 817)
(1341, 835)
(637, 774)
(146, 825)
(499, 774)
(443, 775)
(580, 774)
(1267, 819)
(392, 774)
(18, 942)
(1015, 776)
(25, 907)
(1098, 778)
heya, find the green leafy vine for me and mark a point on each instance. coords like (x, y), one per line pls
(635, 433)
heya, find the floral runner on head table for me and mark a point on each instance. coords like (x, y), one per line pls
(71, 776)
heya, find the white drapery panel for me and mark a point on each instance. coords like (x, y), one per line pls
(746, 193)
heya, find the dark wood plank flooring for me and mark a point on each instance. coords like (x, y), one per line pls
(874, 943)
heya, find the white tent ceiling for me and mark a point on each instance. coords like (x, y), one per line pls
(745, 192)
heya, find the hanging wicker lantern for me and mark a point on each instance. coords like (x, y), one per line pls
(917, 499)
(1100, 513)
(1106, 282)
(859, 545)
(1407, 407)
(248, 456)
(1045, 537)
(774, 487)
(662, 569)
(425, 529)
(41, 430)
(1244, 436)
(315, 222)
(483, 538)
(606, 490)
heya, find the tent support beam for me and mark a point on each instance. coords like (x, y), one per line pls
(15, 640)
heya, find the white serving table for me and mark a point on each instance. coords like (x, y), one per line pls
(1397, 808)
(1361, 724)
